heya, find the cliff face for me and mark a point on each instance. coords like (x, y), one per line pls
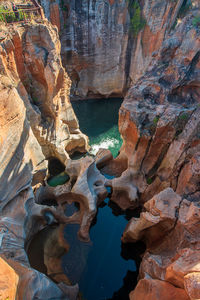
(37, 122)
(159, 118)
(102, 48)
(160, 125)
(30, 58)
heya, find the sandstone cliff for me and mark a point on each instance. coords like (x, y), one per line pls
(160, 125)
(37, 122)
(159, 118)
(107, 45)
(30, 58)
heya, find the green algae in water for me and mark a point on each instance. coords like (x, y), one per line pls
(98, 119)
(58, 179)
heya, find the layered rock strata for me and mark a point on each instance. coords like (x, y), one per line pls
(36, 123)
(160, 125)
(30, 58)
(159, 121)
(102, 48)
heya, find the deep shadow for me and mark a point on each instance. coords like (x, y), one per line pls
(134, 252)
(55, 166)
(129, 283)
(128, 213)
(19, 180)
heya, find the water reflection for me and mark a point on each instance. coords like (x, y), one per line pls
(104, 268)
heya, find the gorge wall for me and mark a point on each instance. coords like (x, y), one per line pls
(108, 45)
(159, 123)
(37, 123)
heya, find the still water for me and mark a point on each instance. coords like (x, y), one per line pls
(98, 119)
(104, 268)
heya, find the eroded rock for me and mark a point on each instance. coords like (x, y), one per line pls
(169, 227)
(148, 289)
(86, 187)
(36, 122)
(36, 73)
(159, 120)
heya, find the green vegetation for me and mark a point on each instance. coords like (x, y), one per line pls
(58, 179)
(183, 116)
(137, 20)
(35, 100)
(7, 15)
(196, 21)
(155, 120)
(149, 181)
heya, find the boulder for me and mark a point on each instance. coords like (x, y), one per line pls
(150, 289)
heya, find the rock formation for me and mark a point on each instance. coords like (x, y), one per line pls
(102, 48)
(159, 163)
(37, 122)
(86, 187)
(159, 123)
(35, 71)
(159, 120)
(169, 226)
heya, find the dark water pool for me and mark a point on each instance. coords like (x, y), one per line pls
(104, 268)
(98, 119)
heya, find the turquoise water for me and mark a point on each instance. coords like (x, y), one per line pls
(98, 119)
(58, 179)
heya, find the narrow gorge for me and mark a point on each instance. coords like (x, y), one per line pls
(100, 149)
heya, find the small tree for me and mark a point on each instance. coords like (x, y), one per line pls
(137, 21)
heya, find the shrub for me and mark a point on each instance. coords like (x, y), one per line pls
(155, 120)
(196, 21)
(137, 21)
(149, 181)
(183, 116)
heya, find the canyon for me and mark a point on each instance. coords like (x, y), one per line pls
(146, 52)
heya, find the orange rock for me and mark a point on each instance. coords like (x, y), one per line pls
(186, 261)
(8, 281)
(189, 176)
(158, 219)
(149, 289)
(111, 2)
(192, 285)
(130, 132)
(55, 15)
